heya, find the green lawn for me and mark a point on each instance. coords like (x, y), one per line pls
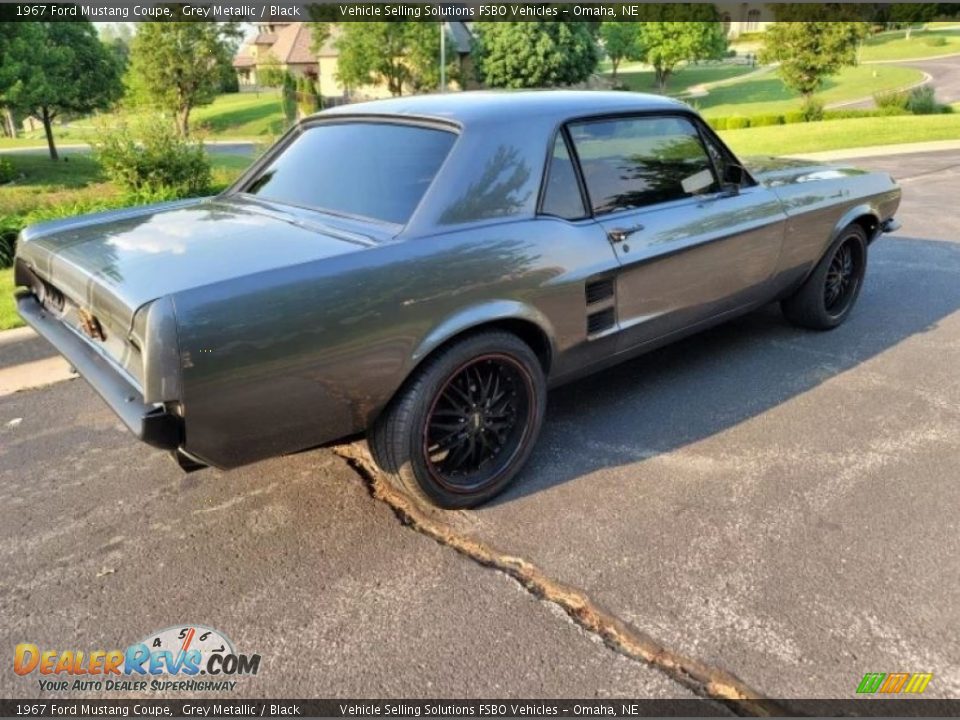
(922, 43)
(639, 79)
(8, 314)
(842, 134)
(236, 115)
(767, 94)
(75, 180)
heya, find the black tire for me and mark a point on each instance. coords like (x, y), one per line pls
(461, 428)
(826, 298)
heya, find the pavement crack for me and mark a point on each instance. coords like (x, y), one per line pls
(704, 680)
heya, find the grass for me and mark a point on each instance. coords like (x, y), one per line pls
(231, 116)
(842, 134)
(766, 93)
(638, 79)
(922, 44)
(8, 313)
(75, 180)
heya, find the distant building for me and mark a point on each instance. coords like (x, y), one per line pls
(284, 46)
(287, 46)
(744, 17)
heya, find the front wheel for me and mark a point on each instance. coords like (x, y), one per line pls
(463, 426)
(826, 297)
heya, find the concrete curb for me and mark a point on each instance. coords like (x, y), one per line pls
(16, 335)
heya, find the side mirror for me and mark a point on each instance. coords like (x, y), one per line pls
(733, 175)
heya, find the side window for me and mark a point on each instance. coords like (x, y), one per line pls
(635, 162)
(561, 196)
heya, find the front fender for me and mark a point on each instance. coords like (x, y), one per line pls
(476, 316)
(865, 209)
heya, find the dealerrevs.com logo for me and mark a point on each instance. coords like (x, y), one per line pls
(187, 657)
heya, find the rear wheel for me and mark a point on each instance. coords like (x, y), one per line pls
(826, 298)
(461, 429)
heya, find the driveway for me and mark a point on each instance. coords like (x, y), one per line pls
(757, 509)
(944, 76)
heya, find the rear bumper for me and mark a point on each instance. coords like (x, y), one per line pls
(152, 424)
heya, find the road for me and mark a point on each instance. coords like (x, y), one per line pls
(771, 503)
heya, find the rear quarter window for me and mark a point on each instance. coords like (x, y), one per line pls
(363, 169)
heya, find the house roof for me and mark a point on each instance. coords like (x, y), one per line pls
(290, 44)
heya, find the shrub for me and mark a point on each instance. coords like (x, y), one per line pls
(719, 123)
(892, 99)
(794, 116)
(288, 99)
(922, 101)
(935, 41)
(151, 162)
(812, 110)
(766, 120)
(7, 171)
(308, 99)
(737, 123)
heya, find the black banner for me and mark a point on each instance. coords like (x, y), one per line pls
(477, 708)
(509, 11)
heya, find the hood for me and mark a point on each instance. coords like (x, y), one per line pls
(115, 262)
(775, 171)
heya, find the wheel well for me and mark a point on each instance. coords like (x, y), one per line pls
(870, 225)
(531, 333)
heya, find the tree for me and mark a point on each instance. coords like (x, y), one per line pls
(308, 99)
(534, 54)
(666, 44)
(288, 98)
(402, 54)
(177, 66)
(808, 52)
(58, 68)
(621, 41)
(117, 37)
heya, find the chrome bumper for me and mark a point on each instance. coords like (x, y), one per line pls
(152, 424)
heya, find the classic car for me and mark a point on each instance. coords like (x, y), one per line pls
(422, 269)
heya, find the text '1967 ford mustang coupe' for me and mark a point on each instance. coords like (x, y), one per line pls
(422, 269)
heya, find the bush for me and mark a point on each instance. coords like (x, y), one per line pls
(935, 41)
(7, 171)
(922, 101)
(308, 99)
(794, 116)
(767, 120)
(719, 123)
(737, 123)
(812, 110)
(151, 162)
(896, 99)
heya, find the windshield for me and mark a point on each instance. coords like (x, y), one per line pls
(365, 169)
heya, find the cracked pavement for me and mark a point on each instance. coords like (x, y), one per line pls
(766, 502)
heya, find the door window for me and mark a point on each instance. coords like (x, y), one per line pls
(635, 162)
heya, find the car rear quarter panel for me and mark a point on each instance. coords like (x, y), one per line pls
(292, 358)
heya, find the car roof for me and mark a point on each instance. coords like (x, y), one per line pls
(505, 106)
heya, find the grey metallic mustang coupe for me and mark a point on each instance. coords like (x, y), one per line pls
(422, 269)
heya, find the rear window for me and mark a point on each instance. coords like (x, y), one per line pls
(370, 170)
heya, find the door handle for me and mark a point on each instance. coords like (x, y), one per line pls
(618, 235)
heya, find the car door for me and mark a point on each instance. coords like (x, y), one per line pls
(690, 249)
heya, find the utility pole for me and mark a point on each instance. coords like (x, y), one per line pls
(443, 57)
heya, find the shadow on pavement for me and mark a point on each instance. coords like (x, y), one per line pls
(713, 381)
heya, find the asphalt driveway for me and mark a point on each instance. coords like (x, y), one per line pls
(771, 503)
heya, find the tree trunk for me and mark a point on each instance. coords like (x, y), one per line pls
(183, 121)
(662, 76)
(48, 129)
(615, 64)
(9, 122)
